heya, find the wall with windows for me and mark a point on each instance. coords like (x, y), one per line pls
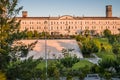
(69, 25)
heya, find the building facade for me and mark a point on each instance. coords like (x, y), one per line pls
(71, 25)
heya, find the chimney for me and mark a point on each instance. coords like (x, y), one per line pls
(109, 11)
(24, 14)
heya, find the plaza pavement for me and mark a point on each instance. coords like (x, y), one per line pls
(53, 48)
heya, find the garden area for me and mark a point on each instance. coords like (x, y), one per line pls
(12, 67)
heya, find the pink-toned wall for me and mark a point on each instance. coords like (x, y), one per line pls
(69, 24)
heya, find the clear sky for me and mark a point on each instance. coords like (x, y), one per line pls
(38, 8)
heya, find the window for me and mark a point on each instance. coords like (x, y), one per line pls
(38, 27)
(94, 27)
(61, 27)
(51, 23)
(51, 27)
(69, 27)
(75, 22)
(75, 27)
(57, 27)
(22, 22)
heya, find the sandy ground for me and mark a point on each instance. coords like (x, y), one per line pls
(53, 48)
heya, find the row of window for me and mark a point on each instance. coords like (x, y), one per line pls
(76, 22)
(70, 27)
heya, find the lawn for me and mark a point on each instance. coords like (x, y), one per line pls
(108, 49)
(41, 65)
(82, 64)
(106, 54)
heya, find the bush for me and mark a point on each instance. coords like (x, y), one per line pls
(89, 47)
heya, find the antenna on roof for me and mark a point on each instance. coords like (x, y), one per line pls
(83, 15)
(73, 15)
(49, 15)
(58, 15)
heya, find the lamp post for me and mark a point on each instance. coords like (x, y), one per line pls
(45, 48)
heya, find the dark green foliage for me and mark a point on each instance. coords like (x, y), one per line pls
(11, 50)
(107, 63)
(80, 38)
(117, 65)
(111, 38)
(102, 48)
(89, 47)
(24, 70)
(116, 48)
(29, 34)
(8, 29)
(107, 33)
(86, 33)
(68, 62)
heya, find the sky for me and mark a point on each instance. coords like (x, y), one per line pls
(45, 8)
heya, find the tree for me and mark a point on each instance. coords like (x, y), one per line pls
(36, 34)
(92, 32)
(87, 32)
(29, 34)
(117, 65)
(119, 30)
(53, 71)
(23, 70)
(80, 38)
(89, 47)
(110, 66)
(68, 60)
(9, 29)
(107, 33)
(116, 48)
(112, 39)
(10, 35)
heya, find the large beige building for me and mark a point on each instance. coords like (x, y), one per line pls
(71, 25)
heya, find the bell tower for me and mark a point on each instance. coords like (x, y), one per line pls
(109, 11)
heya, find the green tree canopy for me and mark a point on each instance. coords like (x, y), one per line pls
(89, 46)
(107, 33)
(9, 29)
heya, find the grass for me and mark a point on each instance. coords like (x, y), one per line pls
(106, 54)
(41, 65)
(82, 64)
(108, 47)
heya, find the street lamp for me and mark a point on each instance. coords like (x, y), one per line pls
(45, 47)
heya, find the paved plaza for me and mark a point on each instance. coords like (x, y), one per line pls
(53, 48)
